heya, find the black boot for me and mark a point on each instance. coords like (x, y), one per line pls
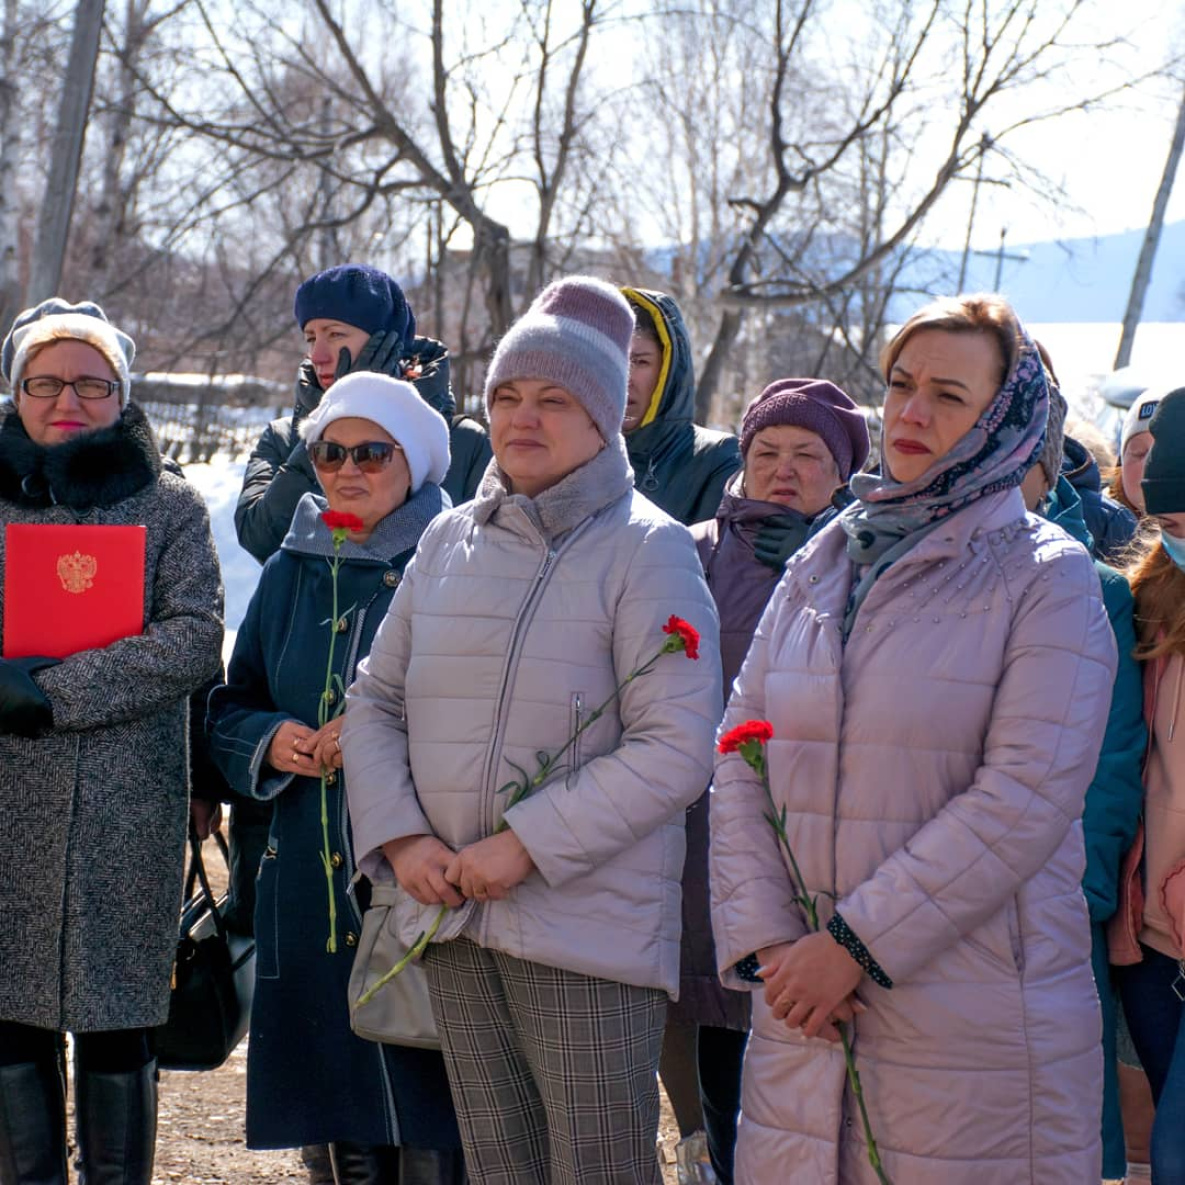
(32, 1125)
(116, 1119)
(315, 1158)
(361, 1164)
(423, 1166)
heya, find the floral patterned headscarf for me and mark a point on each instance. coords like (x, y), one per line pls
(994, 455)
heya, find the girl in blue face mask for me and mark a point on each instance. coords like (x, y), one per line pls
(1148, 930)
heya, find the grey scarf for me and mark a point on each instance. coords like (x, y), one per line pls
(575, 497)
(398, 532)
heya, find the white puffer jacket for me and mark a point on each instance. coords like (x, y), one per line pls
(516, 619)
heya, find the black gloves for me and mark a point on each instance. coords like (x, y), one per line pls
(383, 353)
(778, 539)
(24, 709)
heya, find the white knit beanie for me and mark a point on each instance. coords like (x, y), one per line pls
(1140, 414)
(419, 430)
(56, 320)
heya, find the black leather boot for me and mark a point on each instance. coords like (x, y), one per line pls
(32, 1125)
(423, 1166)
(361, 1164)
(116, 1119)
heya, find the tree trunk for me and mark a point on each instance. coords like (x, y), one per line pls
(53, 227)
(709, 379)
(10, 147)
(1135, 301)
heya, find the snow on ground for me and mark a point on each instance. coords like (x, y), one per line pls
(219, 482)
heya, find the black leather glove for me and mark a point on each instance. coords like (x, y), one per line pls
(383, 352)
(778, 539)
(24, 709)
(308, 391)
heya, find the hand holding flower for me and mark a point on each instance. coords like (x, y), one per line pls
(326, 746)
(419, 863)
(490, 868)
(811, 981)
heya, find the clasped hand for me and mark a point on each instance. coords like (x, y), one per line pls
(298, 749)
(810, 985)
(432, 873)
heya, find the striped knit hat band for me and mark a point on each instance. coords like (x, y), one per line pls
(576, 334)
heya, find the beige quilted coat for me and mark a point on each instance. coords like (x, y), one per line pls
(515, 619)
(934, 771)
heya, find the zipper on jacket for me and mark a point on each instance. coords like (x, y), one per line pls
(489, 790)
(577, 744)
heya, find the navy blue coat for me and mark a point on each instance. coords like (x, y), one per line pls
(310, 1080)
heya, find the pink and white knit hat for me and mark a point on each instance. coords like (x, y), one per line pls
(576, 334)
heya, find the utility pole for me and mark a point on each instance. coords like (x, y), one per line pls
(1135, 300)
(53, 227)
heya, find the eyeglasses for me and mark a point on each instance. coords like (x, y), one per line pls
(48, 387)
(371, 456)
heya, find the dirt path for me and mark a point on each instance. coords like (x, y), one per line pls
(200, 1130)
(200, 1133)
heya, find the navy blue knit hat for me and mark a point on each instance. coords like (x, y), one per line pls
(357, 295)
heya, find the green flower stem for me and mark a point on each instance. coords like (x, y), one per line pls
(417, 949)
(754, 756)
(323, 718)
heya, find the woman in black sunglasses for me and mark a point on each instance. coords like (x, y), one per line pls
(379, 452)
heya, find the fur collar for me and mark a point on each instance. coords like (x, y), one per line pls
(97, 468)
(560, 508)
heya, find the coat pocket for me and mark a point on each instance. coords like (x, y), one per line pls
(1172, 900)
(267, 902)
(1015, 936)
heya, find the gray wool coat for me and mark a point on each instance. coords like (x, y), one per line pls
(93, 814)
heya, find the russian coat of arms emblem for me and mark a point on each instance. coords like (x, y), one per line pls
(77, 571)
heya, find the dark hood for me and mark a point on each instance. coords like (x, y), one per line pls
(674, 396)
(1080, 466)
(97, 468)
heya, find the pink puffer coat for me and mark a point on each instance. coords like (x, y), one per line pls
(934, 771)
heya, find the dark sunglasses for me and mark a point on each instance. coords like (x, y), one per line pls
(370, 456)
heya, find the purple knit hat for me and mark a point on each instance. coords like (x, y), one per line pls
(576, 334)
(819, 407)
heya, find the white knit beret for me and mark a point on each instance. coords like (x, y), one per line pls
(420, 431)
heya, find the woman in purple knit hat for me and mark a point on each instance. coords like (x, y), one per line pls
(801, 439)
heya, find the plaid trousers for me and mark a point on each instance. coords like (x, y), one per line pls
(554, 1074)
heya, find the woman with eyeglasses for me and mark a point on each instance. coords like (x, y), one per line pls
(379, 452)
(93, 753)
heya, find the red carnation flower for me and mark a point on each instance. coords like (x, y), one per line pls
(682, 636)
(340, 520)
(760, 731)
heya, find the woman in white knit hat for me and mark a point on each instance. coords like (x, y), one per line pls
(524, 609)
(1135, 443)
(379, 452)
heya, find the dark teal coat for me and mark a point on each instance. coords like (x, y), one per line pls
(309, 1079)
(678, 465)
(1113, 802)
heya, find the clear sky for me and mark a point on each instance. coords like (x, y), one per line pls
(1109, 161)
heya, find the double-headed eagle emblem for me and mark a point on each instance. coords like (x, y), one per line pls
(77, 571)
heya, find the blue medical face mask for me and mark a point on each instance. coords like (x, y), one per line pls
(1175, 549)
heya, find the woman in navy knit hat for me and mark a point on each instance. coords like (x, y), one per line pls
(353, 317)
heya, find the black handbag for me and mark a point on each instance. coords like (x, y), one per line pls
(213, 978)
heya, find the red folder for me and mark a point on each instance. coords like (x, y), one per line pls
(68, 589)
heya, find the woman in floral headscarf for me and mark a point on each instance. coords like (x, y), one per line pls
(937, 669)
